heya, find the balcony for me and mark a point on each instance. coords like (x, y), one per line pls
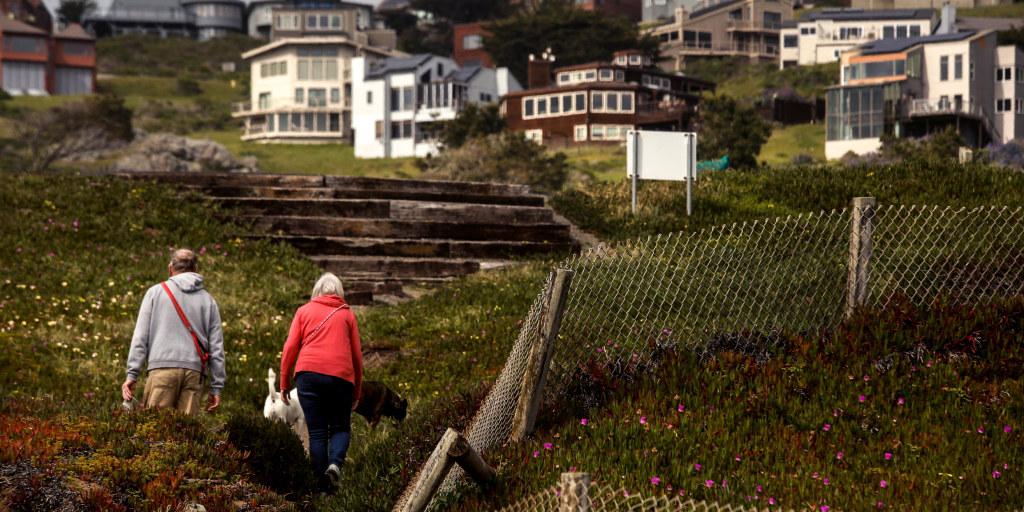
(246, 108)
(663, 111)
(754, 26)
(726, 48)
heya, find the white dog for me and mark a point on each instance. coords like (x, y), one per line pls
(275, 409)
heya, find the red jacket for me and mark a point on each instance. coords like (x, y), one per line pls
(333, 350)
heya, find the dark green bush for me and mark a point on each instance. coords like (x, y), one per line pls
(276, 456)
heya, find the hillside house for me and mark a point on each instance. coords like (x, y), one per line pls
(261, 18)
(30, 12)
(399, 101)
(198, 19)
(723, 28)
(820, 37)
(601, 102)
(917, 86)
(36, 63)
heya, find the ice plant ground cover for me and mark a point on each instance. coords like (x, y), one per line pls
(909, 408)
(76, 254)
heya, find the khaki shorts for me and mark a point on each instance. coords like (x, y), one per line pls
(174, 388)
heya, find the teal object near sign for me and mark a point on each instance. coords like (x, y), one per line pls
(714, 165)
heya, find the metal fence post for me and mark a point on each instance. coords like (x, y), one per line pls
(540, 354)
(575, 492)
(859, 262)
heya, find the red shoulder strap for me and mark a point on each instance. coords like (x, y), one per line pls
(203, 355)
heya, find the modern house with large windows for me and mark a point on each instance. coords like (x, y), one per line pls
(917, 86)
(601, 102)
(399, 102)
(33, 62)
(302, 89)
(822, 36)
(723, 28)
(199, 19)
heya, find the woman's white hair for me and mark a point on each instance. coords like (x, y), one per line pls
(328, 284)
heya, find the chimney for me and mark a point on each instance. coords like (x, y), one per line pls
(947, 21)
(538, 73)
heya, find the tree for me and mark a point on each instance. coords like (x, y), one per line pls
(74, 11)
(502, 158)
(472, 123)
(464, 11)
(575, 36)
(724, 127)
(435, 36)
(43, 138)
(941, 146)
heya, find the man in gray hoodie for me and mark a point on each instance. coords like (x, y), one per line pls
(175, 373)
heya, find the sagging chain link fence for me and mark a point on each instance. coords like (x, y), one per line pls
(738, 286)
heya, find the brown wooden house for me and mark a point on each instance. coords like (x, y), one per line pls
(601, 102)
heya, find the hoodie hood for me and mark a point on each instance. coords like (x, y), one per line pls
(333, 301)
(188, 282)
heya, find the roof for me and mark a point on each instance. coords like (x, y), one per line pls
(313, 41)
(882, 46)
(398, 65)
(711, 8)
(393, 5)
(17, 27)
(862, 15)
(466, 74)
(74, 31)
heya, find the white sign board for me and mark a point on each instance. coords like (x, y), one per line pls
(661, 155)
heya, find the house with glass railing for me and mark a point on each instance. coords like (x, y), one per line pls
(601, 101)
(199, 19)
(400, 104)
(822, 36)
(918, 86)
(723, 28)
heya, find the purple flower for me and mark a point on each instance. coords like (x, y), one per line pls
(655, 480)
(681, 410)
(709, 483)
(1007, 429)
(899, 400)
(980, 431)
(536, 454)
(824, 508)
(839, 455)
(888, 456)
(583, 421)
(863, 398)
(771, 501)
(881, 505)
(547, 446)
(827, 427)
(696, 466)
(996, 474)
(643, 419)
(883, 483)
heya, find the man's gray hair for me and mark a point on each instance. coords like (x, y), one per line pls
(328, 284)
(184, 260)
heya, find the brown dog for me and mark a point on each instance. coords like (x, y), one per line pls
(376, 400)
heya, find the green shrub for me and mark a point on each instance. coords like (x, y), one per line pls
(276, 456)
(503, 158)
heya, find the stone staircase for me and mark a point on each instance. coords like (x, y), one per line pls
(382, 235)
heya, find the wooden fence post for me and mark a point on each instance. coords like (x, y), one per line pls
(438, 465)
(540, 354)
(470, 461)
(575, 493)
(859, 263)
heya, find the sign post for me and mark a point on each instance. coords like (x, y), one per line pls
(662, 156)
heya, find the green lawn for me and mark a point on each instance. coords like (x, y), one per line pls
(1008, 10)
(789, 141)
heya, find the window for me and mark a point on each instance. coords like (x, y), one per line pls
(772, 20)
(287, 21)
(597, 101)
(401, 130)
(264, 100)
(472, 42)
(335, 95)
(597, 132)
(944, 68)
(915, 31)
(1004, 105)
(590, 75)
(378, 128)
(282, 122)
(299, 93)
(888, 32)
(901, 31)
(303, 70)
(542, 106)
(1020, 105)
(581, 102)
(369, 97)
(581, 132)
(1019, 74)
(23, 44)
(567, 103)
(808, 31)
(563, 78)
(71, 48)
(528, 108)
(606, 74)
(1004, 74)
(736, 14)
(407, 98)
(958, 66)
(789, 41)
(970, 66)
(612, 101)
(535, 135)
(317, 97)
(849, 33)
(486, 98)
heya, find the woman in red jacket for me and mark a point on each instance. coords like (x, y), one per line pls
(323, 347)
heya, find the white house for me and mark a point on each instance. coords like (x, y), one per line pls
(301, 89)
(820, 37)
(397, 101)
(918, 86)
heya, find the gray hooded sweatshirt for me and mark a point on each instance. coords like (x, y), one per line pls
(162, 337)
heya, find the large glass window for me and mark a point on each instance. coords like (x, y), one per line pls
(23, 44)
(859, 112)
(789, 41)
(318, 97)
(944, 67)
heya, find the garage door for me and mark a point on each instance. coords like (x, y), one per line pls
(22, 77)
(73, 80)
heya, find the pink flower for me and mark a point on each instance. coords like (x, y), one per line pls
(655, 480)
(839, 455)
(643, 419)
(881, 505)
(826, 481)
(536, 454)
(996, 474)
(827, 427)
(899, 401)
(709, 483)
(883, 483)
(771, 501)
(866, 378)
(696, 466)
(888, 456)
(1007, 429)
(547, 446)
(980, 431)
(681, 410)
(863, 398)
(824, 508)
(583, 421)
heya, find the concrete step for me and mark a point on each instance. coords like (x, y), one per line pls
(421, 248)
(392, 209)
(325, 193)
(387, 228)
(368, 268)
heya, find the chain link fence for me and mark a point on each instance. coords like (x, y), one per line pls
(736, 287)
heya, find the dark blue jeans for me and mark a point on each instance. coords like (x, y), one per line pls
(327, 403)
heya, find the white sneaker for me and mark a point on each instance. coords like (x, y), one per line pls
(334, 475)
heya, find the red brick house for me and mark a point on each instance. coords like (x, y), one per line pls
(601, 102)
(469, 45)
